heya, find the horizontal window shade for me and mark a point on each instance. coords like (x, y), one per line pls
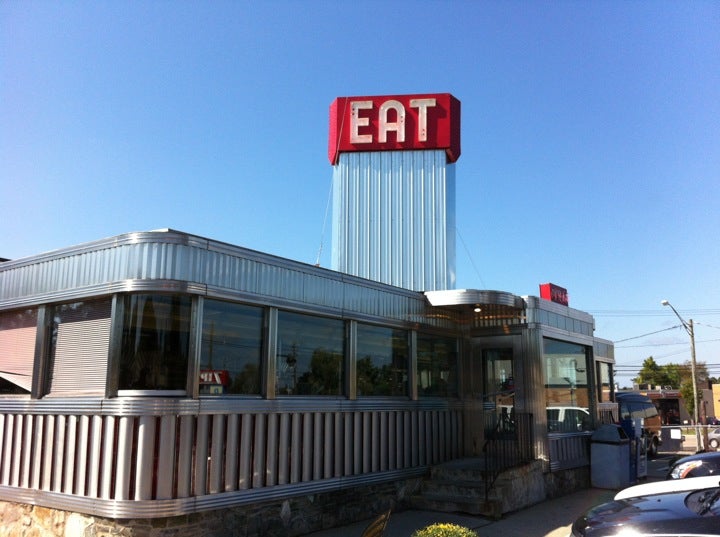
(17, 352)
(81, 351)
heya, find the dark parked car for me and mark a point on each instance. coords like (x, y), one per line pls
(697, 465)
(687, 512)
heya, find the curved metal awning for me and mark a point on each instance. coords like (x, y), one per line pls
(474, 297)
(481, 304)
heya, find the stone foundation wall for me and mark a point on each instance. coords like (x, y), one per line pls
(286, 518)
(565, 482)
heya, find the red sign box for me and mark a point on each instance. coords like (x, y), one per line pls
(554, 293)
(215, 376)
(395, 122)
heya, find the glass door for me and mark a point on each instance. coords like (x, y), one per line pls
(499, 386)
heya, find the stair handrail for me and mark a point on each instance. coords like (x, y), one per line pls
(508, 443)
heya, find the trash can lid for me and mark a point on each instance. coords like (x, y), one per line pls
(609, 434)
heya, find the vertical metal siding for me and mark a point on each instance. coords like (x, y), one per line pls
(394, 218)
(158, 456)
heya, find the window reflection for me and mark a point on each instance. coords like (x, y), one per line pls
(437, 366)
(231, 349)
(382, 361)
(500, 383)
(155, 340)
(566, 386)
(310, 355)
(604, 375)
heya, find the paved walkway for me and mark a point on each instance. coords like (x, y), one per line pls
(551, 518)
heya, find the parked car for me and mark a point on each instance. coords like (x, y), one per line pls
(679, 512)
(567, 419)
(670, 485)
(714, 438)
(700, 464)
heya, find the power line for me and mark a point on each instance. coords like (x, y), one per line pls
(470, 257)
(661, 344)
(649, 313)
(648, 334)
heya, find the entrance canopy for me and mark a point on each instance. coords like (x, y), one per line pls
(483, 305)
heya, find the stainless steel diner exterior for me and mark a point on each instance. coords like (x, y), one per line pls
(74, 437)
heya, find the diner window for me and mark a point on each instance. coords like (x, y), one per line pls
(79, 348)
(18, 329)
(604, 376)
(231, 349)
(566, 385)
(155, 343)
(436, 366)
(310, 355)
(382, 361)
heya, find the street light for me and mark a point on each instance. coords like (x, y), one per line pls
(688, 326)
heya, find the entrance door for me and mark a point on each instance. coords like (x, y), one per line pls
(489, 382)
(498, 388)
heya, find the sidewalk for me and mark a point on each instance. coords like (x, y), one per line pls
(551, 518)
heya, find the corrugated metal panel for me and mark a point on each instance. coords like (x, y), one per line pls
(533, 374)
(394, 218)
(175, 262)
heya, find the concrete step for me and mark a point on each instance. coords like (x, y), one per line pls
(462, 469)
(456, 488)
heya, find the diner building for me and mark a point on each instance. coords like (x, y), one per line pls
(159, 382)
(161, 374)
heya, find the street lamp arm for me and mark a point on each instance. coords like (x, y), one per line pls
(686, 326)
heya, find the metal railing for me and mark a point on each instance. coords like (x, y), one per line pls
(569, 450)
(509, 442)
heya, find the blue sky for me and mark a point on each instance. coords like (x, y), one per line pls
(590, 137)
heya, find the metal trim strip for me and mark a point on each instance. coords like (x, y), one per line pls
(181, 506)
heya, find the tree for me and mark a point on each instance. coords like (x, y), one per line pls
(654, 374)
(676, 375)
(686, 388)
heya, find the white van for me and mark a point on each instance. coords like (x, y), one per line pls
(567, 419)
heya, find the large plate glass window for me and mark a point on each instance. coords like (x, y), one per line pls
(382, 361)
(310, 355)
(231, 349)
(17, 351)
(436, 366)
(155, 343)
(566, 386)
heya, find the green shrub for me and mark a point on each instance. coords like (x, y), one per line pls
(444, 530)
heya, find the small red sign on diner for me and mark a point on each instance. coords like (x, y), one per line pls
(395, 122)
(554, 293)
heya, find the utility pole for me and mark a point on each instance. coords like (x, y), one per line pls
(688, 326)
